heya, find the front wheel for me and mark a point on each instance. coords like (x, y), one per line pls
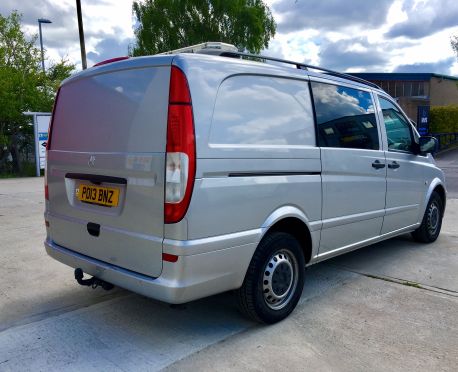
(432, 220)
(274, 280)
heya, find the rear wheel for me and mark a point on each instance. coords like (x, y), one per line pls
(432, 220)
(274, 280)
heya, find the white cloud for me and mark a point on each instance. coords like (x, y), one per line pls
(353, 35)
(298, 46)
(431, 49)
(342, 48)
(102, 20)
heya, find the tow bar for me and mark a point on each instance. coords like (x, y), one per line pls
(92, 282)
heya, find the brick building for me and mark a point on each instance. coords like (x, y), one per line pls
(416, 89)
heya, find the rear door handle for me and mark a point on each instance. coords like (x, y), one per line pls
(93, 229)
(377, 164)
(394, 165)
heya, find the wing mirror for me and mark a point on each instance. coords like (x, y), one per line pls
(428, 145)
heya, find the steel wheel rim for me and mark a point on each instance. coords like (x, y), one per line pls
(280, 279)
(433, 218)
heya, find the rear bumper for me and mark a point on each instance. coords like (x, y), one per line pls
(193, 276)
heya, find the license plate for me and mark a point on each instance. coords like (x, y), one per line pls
(106, 196)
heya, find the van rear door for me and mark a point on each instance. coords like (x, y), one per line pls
(106, 165)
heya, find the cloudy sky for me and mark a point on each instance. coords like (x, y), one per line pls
(351, 35)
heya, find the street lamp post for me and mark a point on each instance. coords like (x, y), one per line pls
(81, 33)
(40, 21)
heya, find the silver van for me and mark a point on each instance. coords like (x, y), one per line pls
(184, 175)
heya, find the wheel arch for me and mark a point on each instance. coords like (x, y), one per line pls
(438, 186)
(293, 221)
(441, 191)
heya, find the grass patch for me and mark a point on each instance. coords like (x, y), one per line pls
(28, 170)
(403, 282)
(411, 284)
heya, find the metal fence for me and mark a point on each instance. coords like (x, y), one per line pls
(446, 140)
(17, 156)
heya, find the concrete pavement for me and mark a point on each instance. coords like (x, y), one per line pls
(362, 325)
(391, 306)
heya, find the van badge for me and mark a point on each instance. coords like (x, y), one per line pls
(91, 161)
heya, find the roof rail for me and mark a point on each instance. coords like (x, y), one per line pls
(301, 66)
(202, 47)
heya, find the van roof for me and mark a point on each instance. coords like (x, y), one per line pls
(228, 56)
(298, 65)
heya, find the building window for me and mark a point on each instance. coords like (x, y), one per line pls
(392, 88)
(421, 88)
(426, 88)
(415, 88)
(404, 88)
(398, 90)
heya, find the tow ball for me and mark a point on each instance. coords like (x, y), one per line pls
(91, 282)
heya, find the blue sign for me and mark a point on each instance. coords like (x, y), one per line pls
(423, 120)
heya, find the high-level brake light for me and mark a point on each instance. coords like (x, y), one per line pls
(111, 60)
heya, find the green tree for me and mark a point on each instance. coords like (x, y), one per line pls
(23, 87)
(170, 24)
(55, 73)
(454, 43)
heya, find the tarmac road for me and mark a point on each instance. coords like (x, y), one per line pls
(391, 306)
(448, 161)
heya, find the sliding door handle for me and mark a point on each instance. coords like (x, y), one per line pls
(377, 164)
(394, 165)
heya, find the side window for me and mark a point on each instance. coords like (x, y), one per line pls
(398, 129)
(345, 117)
(263, 111)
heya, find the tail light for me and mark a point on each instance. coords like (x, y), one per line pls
(48, 143)
(180, 149)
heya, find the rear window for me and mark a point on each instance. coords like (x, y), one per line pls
(120, 111)
(345, 117)
(261, 110)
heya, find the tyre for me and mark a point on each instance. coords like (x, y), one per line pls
(274, 280)
(432, 220)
